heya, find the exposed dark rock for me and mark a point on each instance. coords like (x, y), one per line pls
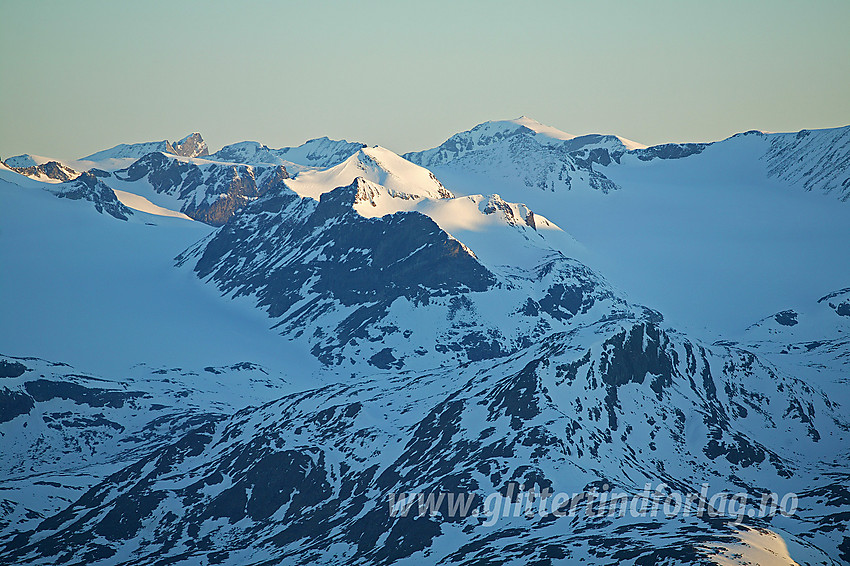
(13, 404)
(89, 187)
(192, 145)
(45, 390)
(51, 170)
(670, 151)
(329, 251)
(786, 318)
(11, 369)
(211, 193)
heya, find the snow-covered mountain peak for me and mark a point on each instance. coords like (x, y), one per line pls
(475, 213)
(133, 150)
(817, 160)
(192, 145)
(612, 143)
(487, 226)
(497, 132)
(46, 171)
(395, 172)
(536, 127)
(376, 165)
(358, 260)
(372, 199)
(251, 152)
(514, 213)
(316, 153)
(514, 155)
(26, 160)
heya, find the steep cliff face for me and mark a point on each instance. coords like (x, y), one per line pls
(192, 145)
(816, 160)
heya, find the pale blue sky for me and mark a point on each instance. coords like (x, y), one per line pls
(76, 77)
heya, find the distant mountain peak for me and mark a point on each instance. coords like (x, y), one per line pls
(495, 130)
(192, 145)
(318, 152)
(49, 172)
(21, 161)
(526, 153)
(540, 128)
(376, 165)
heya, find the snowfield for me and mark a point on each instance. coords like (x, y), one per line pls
(103, 294)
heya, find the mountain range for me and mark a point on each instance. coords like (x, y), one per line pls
(243, 357)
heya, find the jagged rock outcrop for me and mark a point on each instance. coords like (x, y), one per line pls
(209, 192)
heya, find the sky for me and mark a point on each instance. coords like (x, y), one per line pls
(77, 77)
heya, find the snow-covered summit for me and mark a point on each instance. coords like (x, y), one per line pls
(520, 125)
(26, 160)
(549, 135)
(501, 132)
(192, 145)
(814, 160)
(320, 152)
(377, 165)
(817, 160)
(523, 153)
(351, 283)
(47, 171)
(129, 150)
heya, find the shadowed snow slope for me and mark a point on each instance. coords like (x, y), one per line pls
(102, 293)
